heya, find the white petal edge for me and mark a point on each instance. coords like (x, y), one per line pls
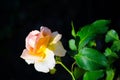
(47, 64)
(56, 37)
(41, 67)
(29, 61)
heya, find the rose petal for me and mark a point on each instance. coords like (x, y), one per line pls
(55, 37)
(47, 64)
(50, 59)
(44, 31)
(31, 38)
(28, 58)
(58, 49)
(30, 61)
(41, 67)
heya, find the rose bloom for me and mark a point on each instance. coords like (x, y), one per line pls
(41, 47)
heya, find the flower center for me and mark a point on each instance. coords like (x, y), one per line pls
(40, 47)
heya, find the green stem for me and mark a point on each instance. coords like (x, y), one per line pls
(73, 78)
(73, 66)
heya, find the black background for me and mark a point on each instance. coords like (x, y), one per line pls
(19, 17)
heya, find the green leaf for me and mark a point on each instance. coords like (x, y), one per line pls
(72, 45)
(92, 43)
(78, 72)
(110, 74)
(93, 75)
(90, 59)
(100, 26)
(88, 32)
(109, 53)
(73, 30)
(111, 36)
(85, 34)
(116, 46)
(111, 56)
(77, 40)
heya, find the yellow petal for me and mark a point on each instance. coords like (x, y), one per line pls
(58, 49)
(55, 37)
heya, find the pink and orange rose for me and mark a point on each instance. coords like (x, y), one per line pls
(41, 47)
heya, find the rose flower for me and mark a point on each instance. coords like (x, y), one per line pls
(41, 47)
